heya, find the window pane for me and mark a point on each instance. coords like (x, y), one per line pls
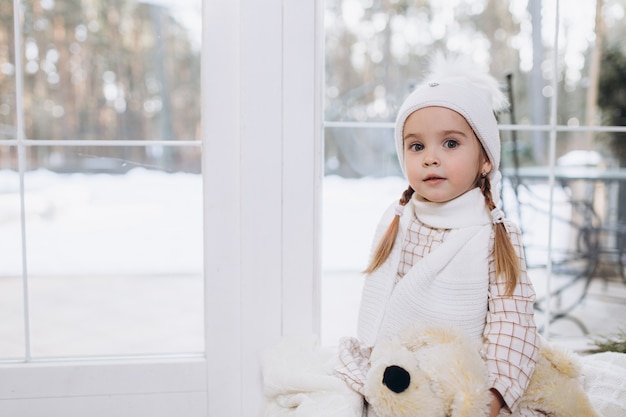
(7, 73)
(115, 259)
(377, 52)
(11, 295)
(113, 234)
(592, 81)
(360, 152)
(588, 235)
(115, 69)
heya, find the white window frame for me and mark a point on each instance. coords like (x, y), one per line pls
(264, 188)
(262, 170)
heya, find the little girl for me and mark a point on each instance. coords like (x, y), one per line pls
(445, 253)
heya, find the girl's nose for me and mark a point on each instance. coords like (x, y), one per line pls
(430, 158)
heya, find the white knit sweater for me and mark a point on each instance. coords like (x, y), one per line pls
(447, 286)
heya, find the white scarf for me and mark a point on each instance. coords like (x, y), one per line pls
(449, 285)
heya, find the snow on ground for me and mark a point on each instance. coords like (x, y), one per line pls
(114, 263)
(144, 222)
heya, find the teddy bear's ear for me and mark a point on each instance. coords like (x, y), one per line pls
(442, 335)
(421, 336)
(414, 339)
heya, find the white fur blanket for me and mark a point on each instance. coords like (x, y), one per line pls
(605, 382)
(299, 381)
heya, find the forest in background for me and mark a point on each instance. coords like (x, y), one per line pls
(102, 70)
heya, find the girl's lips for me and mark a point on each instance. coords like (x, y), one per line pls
(432, 178)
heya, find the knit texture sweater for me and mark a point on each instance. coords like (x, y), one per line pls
(449, 285)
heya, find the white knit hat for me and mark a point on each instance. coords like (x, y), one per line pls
(457, 84)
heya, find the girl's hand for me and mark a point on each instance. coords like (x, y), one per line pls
(496, 403)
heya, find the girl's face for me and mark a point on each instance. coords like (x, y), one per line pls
(442, 156)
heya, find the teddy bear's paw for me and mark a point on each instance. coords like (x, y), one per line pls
(574, 407)
(556, 385)
(470, 404)
(562, 360)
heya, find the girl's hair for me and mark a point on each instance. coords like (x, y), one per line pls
(386, 242)
(505, 256)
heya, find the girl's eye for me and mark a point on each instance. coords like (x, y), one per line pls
(416, 146)
(451, 144)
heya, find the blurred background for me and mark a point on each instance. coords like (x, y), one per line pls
(564, 72)
(377, 51)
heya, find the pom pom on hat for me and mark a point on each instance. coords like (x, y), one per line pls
(463, 70)
(458, 84)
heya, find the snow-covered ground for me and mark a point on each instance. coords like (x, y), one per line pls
(114, 263)
(144, 222)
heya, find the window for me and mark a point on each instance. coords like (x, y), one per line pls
(558, 65)
(101, 213)
(260, 139)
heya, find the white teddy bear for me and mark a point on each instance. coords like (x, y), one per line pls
(438, 371)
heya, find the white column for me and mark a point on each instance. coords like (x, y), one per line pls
(261, 156)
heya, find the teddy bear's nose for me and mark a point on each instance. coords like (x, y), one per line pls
(396, 378)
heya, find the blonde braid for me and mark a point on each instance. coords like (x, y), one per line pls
(505, 256)
(387, 241)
